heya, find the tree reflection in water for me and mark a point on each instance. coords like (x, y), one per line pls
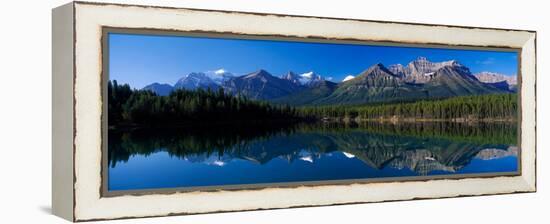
(420, 147)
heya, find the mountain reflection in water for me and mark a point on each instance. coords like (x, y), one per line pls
(241, 154)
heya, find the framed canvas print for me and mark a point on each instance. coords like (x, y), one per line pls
(168, 111)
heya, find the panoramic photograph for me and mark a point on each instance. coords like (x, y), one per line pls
(217, 112)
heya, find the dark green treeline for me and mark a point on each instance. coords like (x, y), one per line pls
(482, 107)
(142, 107)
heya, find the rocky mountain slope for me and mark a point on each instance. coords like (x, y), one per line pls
(159, 89)
(498, 80)
(260, 85)
(419, 79)
(196, 80)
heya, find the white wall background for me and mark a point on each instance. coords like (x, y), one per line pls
(25, 112)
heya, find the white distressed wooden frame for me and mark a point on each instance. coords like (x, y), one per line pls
(77, 108)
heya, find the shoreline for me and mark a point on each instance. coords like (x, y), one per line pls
(274, 123)
(420, 120)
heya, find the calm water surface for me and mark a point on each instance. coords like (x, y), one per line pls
(236, 154)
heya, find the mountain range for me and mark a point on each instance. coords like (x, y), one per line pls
(419, 79)
(498, 80)
(192, 81)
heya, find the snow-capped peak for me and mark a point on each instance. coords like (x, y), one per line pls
(220, 71)
(307, 75)
(347, 78)
(219, 75)
(306, 79)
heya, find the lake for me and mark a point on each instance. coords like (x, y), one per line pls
(239, 154)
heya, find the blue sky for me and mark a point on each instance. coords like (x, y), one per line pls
(143, 59)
